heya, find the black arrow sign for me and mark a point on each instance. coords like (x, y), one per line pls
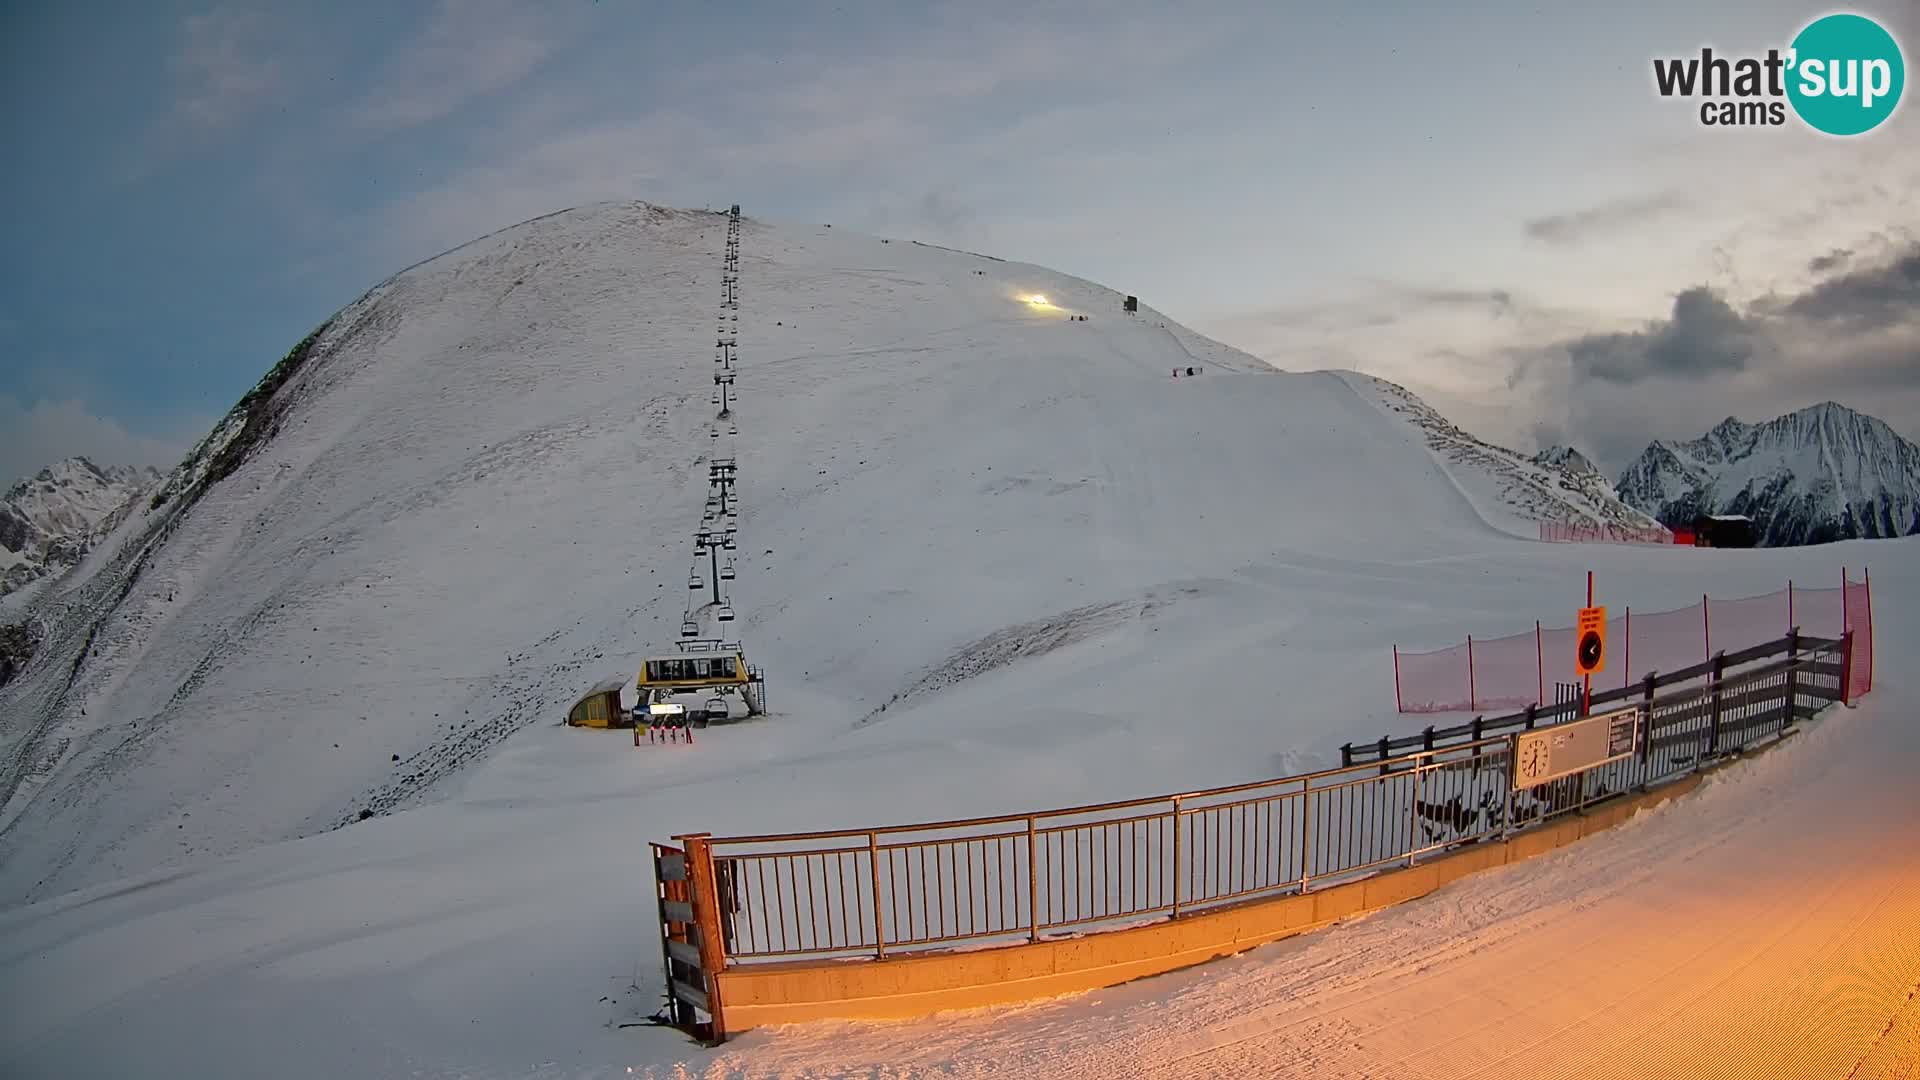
(1589, 650)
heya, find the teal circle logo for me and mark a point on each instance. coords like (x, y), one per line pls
(1846, 74)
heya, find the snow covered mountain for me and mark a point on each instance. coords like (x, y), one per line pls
(50, 520)
(380, 581)
(1509, 490)
(1820, 474)
(1566, 457)
(470, 493)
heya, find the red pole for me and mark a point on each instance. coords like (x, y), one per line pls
(1706, 625)
(1626, 666)
(1539, 666)
(1867, 580)
(1846, 620)
(1586, 681)
(1397, 706)
(1473, 694)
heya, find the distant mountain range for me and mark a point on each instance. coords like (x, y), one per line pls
(1823, 473)
(50, 520)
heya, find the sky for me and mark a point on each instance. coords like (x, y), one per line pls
(1486, 202)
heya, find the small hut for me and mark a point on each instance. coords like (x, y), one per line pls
(1723, 531)
(600, 707)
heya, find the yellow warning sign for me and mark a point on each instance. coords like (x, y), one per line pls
(1590, 638)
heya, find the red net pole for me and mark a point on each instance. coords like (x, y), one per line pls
(1866, 576)
(1626, 665)
(1706, 626)
(1846, 624)
(1398, 705)
(1473, 695)
(1539, 666)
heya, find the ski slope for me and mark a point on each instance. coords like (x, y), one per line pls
(479, 500)
(1067, 576)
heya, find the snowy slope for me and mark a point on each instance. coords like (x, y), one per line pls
(1075, 577)
(469, 496)
(51, 519)
(1510, 490)
(1823, 473)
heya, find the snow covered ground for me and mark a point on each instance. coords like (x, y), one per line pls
(1075, 577)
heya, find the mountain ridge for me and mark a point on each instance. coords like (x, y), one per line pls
(1818, 474)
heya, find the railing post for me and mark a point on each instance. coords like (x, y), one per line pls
(1713, 726)
(1033, 882)
(1346, 755)
(873, 870)
(1413, 805)
(1793, 671)
(706, 922)
(1176, 856)
(1306, 833)
(1506, 813)
(1383, 755)
(1530, 711)
(1846, 666)
(1479, 732)
(1646, 745)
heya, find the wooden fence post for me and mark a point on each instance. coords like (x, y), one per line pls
(1793, 695)
(706, 921)
(1713, 726)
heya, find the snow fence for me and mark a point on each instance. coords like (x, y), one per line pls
(1523, 669)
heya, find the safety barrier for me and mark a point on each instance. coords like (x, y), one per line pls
(1563, 532)
(1518, 670)
(759, 905)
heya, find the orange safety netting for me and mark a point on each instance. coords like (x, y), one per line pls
(1522, 669)
(1563, 532)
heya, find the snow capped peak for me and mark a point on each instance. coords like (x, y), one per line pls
(52, 518)
(1824, 472)
(1567, 458)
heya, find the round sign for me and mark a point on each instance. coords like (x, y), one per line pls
(1589, 650)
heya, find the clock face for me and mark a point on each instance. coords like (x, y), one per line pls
(1533, 760)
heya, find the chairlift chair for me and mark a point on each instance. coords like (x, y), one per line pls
(725, 614)
(695, 581)
(726, 572)
(689, 628)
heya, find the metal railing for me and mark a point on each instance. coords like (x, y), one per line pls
(1825, 669)
(1001, 880)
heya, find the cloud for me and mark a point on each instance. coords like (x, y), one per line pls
(1853, 338)
(467, 49)
(1867, 299)
(1578, 225)
(1832, 260)
(226, 71)
(32, 438)
(1704, 336)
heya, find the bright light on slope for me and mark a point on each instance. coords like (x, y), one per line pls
(1038, 300)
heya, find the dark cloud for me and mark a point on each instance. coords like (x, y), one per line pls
(1865, 299)
(1704, 336)
(1577, 225)
(1854, 338)
(1832, 260)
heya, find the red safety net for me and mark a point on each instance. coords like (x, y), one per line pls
(1522, 669)
(1562, 532)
